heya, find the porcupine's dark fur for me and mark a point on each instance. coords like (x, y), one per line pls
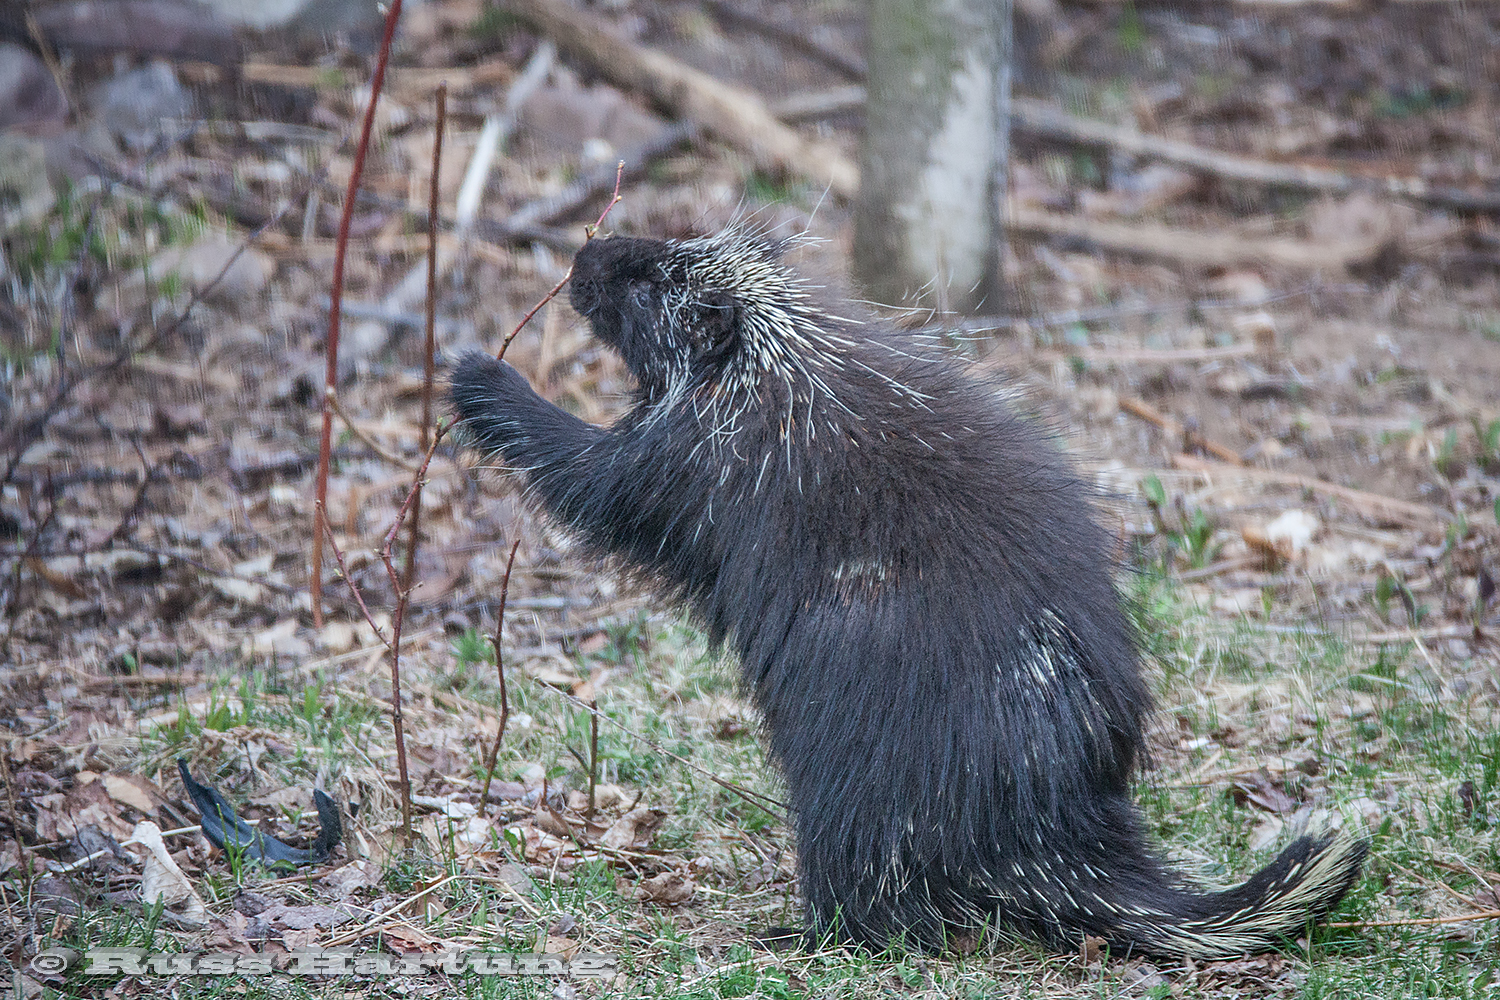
(918, 594)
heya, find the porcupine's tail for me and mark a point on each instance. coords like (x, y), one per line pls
(1172, 919)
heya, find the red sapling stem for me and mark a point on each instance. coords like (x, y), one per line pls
(336, 295)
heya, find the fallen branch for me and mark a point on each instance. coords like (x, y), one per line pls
(336, 294)
(1174, 429)
(1150, 355)
(1191, 248)
(818, 104)
(732, 114)
(1374, 504)
(1043, 119)
(1032, 116)
(1412, 635)
(1418, 921)
(791, 36)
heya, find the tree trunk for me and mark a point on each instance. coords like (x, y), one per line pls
(928, 222)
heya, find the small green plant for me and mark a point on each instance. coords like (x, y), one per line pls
(1131, 31)
(311, 709)
(1197, 539)
(1489, 445)
(1447, 463)
(1386, 588)
(1457, 531)
(1415, 99)
(1155, 492)
(627, 640)
(1190, 534)
(473, 649)
(762, 189)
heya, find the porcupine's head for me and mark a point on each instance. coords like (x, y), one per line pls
(721, 312)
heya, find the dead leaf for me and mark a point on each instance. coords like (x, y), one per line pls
(298, 918)
(566, 947)
(633, 830)
(299, 940)
(134, 791)
(405, 937)
(547, 818)
(668, 889)
(162, 880)
(1262, 792)
(551, 671)
(60, 817)
(351, 878)
(1266, 833)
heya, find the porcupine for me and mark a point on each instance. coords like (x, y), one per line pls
(918, 593)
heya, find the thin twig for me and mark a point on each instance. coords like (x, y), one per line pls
(359, 598)
(336, 294)
(429, 358)
(1418, 922)
(542, 210)
(1375, 504)
(593, 752)
(369, 441)
(375, 923)
(494, 754)
(139, 501)
(403, 601)
(1174, 429)
(614, 199)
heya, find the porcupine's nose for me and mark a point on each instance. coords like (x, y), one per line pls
(615, 261)
(584, 286)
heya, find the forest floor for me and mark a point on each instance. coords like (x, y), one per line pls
(1289, 395)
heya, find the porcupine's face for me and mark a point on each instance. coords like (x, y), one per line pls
(642, 299)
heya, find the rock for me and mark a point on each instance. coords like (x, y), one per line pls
(563, 121)
(199, 263)
(359, 20)
(260, 14)
(145, 27)
(134, 104)
(28, 94)
(26, 194)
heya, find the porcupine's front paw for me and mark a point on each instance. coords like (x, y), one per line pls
(492, 400)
